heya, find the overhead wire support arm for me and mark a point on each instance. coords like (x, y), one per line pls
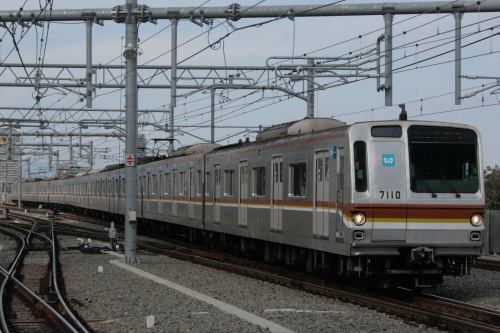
(485, 87)
(144, 13)
(62, 109)
(214, 87)
(251, 87)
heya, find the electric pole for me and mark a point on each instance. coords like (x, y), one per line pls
(131, 107)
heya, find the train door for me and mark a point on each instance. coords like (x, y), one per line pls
(339, 196)
(243, 194)
(277, 194)
(174, 193)
(389, 175)
(321, 194)
(191, 193)
(217, 193)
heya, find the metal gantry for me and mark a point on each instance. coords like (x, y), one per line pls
(131, 13)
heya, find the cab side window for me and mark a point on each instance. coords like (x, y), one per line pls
(360, 179)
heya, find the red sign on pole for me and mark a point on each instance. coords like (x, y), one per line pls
(130, 160)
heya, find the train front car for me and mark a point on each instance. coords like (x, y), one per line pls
(417, 201)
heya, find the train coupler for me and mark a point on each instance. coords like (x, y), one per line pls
(422, 256)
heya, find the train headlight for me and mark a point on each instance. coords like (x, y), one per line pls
(359, 219)
(476, 220)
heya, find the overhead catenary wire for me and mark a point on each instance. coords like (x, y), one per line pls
(246, 9)
(408, 69)
(284, 15)
(23, 34)
(421, 51)
(273, 103)
(280, 97)
(120, 56)
(110, 92)
(464, 58)
(149, 61)
(420, 26)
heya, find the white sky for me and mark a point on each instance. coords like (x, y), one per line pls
(253, 46)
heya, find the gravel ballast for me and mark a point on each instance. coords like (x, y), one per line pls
(8, 250)
(125, 299)
(481, 287)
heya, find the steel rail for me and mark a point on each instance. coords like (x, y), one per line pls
(467, 310)
(67, 310)
(55, 284)
(20, 240)
(30, 234)
(56, 318)
(488, 264)
(430, 309)
(451, 315)
(50, 312)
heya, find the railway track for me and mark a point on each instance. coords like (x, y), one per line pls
(34, 274)
(424, 308)
(36, 304)
(488, 264)
(431, 310)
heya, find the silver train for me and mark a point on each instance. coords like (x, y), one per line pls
(390, 201)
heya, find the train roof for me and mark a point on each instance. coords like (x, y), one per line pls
(412, 122)
(280, 131)
(200, 148)
(299, 127)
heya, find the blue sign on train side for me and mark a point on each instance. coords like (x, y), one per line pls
(388, 160)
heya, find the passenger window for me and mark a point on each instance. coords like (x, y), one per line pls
(297, 183)
(168, 183)
(183, 184)
(153, 185)
(228, 182)
(259, 181)
(208, 185)
(174, 184)
(360, 181)
(327, 169)
(275, 171)
(217, 177)
(199, 179)
(319, 168)
(281, 172)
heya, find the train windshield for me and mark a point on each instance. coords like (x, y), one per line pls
(443, 160)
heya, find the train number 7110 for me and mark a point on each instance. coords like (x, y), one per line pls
(390, 195)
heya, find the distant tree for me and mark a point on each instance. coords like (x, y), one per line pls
(492, 187)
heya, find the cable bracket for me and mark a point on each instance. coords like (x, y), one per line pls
(233, 12)
(119, 14)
